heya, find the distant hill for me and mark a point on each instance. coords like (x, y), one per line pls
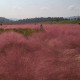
(5, 20)
(13, 19)
(49, 20)
(74, 18)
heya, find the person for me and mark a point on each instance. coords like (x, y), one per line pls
(41, 27)
(0, 24)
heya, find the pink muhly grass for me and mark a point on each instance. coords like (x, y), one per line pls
(13, 63)
(46, 55)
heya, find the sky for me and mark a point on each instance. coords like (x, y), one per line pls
(39, 8)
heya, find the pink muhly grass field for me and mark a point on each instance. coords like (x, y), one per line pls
(50, 55)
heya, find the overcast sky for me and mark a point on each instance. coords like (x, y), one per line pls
(39, 8)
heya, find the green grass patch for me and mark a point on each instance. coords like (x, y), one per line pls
(62, 22)
(25, 32)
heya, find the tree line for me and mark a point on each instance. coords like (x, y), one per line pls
(35, 20)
